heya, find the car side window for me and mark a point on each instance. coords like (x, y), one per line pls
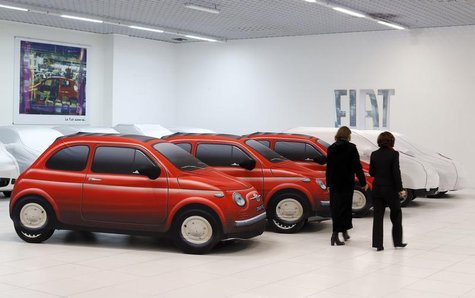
(120, 160)
(220, 155)
(185, 146)
(264, 142)
(297, 151)
(73, 158)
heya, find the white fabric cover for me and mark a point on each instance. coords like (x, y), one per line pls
(8, 167)
(151, 130)
(70, 130)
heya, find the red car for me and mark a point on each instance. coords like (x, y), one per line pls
(132, 184)
(311, 152)
(292, 193)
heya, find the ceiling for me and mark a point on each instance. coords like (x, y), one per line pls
(239, 19)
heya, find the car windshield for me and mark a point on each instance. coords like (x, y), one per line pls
(322, 142)
(179, 157)
(268, 154)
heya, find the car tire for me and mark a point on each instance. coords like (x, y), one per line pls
(362, 202)
(287, 213)
(7, 194)
(410, 196)
(196, 230)
(33, 219)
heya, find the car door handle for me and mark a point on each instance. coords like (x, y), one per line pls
(309, 159)
(94, 179)
(235, 165)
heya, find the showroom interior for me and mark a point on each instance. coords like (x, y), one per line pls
(236, 68)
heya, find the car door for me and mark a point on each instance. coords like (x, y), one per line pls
(227, 158)
(300, 152)
(115, 190)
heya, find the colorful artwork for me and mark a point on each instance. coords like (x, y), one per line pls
(52, 83)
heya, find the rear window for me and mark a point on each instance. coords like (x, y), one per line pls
(179, 157)
(268, 154)
(72, 158)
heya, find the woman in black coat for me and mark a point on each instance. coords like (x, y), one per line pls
(343, 163)
(387, 190)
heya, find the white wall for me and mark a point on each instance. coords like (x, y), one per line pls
(97, 103)
(279, 83)
(143, 81)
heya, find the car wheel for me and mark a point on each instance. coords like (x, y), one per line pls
(439, 194)
(7, 194)
(287, 213)
(361, 202)
(33, 219)
(196, 231)
(409, 197)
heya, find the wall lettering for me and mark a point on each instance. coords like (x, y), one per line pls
(367, 111)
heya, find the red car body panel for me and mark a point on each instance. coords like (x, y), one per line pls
(272, 138)
(267, 177)
(134, 203)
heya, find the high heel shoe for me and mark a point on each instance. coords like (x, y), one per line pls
(335, 240)
(346, 237)
(379, 248)
(400, 245)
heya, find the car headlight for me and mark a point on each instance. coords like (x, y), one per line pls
(321, 184)
(238, 199)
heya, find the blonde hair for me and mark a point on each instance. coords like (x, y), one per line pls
(343, 134)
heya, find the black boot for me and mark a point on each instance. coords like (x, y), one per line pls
(335, 240)
(346, 236)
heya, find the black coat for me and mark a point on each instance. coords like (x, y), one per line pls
(384, 167)
(343, 163)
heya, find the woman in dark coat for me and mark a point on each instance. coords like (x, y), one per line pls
(343, 163)
(387, 190)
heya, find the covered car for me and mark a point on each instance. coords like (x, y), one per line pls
(9, 171)
(450, 174)
(151, 130)
(27, 143)
(419, 178)
(191, 129)
(70, 130)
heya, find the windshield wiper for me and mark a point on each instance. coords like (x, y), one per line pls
(277, 158)
(190, 167)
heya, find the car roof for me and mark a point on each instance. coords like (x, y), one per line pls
(84, 136)
(283, 134)
(212, 136)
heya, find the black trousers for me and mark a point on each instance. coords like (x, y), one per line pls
(340, 207)
(386, 196)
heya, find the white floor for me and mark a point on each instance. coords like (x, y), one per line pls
(438, 262)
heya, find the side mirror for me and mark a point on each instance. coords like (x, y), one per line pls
(320, 159)
(248, 164)
(151, 172)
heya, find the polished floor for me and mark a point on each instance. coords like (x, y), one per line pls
(438, 262)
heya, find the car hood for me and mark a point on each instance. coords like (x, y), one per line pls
(292, 169)
(210, 179)
(8, 165)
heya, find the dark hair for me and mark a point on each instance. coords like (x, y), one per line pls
(343, 133)
(386, 140)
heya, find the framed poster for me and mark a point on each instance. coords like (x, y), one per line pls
(50, 83)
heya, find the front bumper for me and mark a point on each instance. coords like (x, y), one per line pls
(248, 228)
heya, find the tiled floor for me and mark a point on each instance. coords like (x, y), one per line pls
(438, 262)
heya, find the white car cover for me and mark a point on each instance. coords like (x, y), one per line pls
(416, 174)
(27, 143)
(449, 173)
(190, 129)
(8, 169)
(151, 130)
(70, 130)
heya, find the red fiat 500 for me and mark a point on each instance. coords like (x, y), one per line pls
(292, 193)
(311, 152)
(133, 184)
